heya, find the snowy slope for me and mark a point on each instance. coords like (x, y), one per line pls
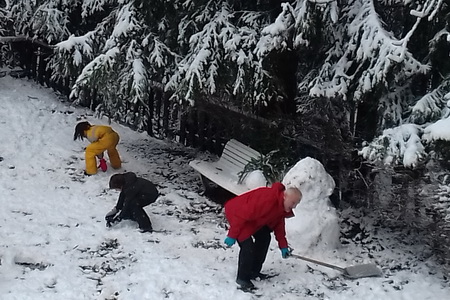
(54, 243)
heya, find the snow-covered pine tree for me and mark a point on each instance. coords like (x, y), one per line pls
(432, 106)
(417, 105)
(305, 31)
(402, 106)
(120, 61)
(71, 56)
(363, 56)
(43, 20)
(220, 60)
(117, 68)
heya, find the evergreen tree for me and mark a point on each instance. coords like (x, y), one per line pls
(115, 66)
(221, 59)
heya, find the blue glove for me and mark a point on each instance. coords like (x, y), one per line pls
(229, 241)
(285, 252)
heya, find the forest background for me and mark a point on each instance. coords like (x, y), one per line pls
(360, 85)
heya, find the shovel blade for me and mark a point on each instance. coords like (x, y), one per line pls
(360, 271)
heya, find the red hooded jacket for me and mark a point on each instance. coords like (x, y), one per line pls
(249, 212)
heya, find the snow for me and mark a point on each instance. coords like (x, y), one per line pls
(55, 245)
(255, 179)
(74, 44)
(413, 152)
(401, 142)
(438, 131)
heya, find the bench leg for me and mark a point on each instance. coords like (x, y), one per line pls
(209, 185)
(216, 193)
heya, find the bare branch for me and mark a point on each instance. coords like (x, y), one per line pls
(21, 38)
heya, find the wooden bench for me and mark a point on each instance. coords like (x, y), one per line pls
(225, 171)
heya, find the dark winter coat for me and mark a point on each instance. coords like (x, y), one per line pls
(249, 212)
(136, 191)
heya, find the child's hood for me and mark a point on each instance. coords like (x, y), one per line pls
(130, 178)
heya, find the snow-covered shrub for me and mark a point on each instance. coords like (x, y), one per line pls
(405, 144)
(399, 145)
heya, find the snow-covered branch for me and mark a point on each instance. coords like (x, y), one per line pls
(221, 50)
(126, 24)
(400, 144)
(365, 59)
(100, 65)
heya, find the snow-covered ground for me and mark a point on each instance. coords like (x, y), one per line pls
(54, 243)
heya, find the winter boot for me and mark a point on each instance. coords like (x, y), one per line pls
(245, 285)
(260, 276)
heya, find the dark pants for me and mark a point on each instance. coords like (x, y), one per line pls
(253, 253)
(133, 210)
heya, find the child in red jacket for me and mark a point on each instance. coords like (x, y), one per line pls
(252, 217)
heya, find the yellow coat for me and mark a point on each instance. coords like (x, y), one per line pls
(102, 138)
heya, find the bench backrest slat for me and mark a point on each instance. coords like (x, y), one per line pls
(237, 154)
(235, 158)
(232, 164)
(224, 172)
(235, 146)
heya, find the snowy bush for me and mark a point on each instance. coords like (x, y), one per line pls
(405, 145)
(396, 145)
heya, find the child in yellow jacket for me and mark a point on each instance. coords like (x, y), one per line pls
(102, 138)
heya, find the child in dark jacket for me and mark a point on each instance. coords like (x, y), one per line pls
(136, 193)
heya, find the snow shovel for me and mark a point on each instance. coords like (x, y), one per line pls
(357, 271)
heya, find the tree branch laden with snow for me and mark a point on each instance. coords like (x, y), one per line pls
(398, 145)
(365, 59)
